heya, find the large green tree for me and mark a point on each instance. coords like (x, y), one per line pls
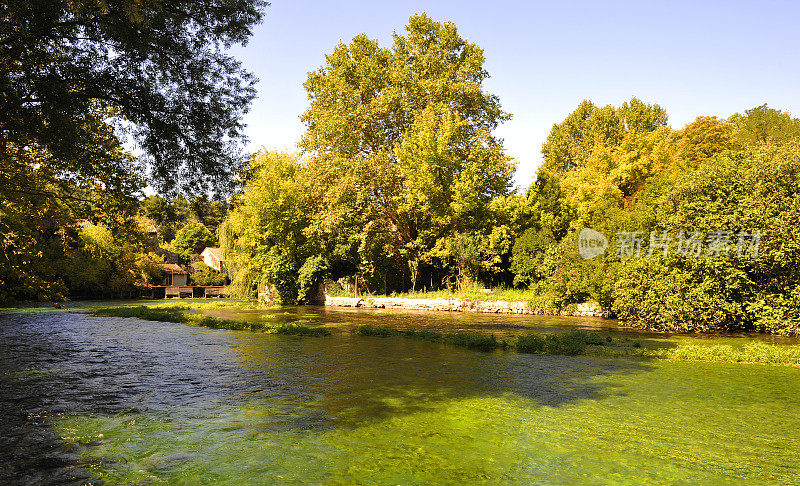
(571, 142)
(401, 146)
(765, 124)
(192, 239)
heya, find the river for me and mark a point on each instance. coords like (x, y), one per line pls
(123, 401)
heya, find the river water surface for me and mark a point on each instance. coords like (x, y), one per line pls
(124, 401)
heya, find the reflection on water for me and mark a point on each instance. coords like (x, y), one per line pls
(130, 401)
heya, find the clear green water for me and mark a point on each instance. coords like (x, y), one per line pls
(133, 402)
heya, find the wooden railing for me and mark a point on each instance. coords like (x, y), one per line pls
(154, 292)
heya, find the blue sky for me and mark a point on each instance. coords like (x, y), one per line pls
(692, 58)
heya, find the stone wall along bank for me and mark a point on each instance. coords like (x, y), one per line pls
(588, 309)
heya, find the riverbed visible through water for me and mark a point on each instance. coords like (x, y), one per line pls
(85, 400)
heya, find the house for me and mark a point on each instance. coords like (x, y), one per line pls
(174, 275)
(214, 258)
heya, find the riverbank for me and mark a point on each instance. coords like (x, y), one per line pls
(487, 305)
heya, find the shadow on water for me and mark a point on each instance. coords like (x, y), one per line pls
(355, 379)
(61, 363)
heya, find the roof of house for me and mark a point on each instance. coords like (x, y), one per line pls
(147, 225)
(172, 267)
(216, 252)
(168, 256)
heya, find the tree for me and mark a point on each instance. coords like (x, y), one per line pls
(704, 137)
(158, 70)
(764, 124)
(400, 145)
(39, 209)
(77, 80)
(264, 236)
(754, 189)
(571, 142)
(192, 239)
(170, 215)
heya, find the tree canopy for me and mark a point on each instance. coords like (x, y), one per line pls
(156, 70)
(80, 82)
(401, 148)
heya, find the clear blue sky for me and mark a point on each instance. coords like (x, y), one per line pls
(692, 58)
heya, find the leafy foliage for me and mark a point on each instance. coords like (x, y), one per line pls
(192, 239)
(159, 69)
(264, 236)
(401, 154)
(78, 79)
(738, 175)
(403, 186)
(204, 275)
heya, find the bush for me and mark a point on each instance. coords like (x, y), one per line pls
(681, 295)
(204, 275)
(755, 189)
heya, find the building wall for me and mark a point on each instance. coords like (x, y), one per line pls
(211, 260)
(179, 279)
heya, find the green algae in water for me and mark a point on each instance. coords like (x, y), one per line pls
(679, 423)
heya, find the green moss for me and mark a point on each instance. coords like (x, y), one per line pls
(302, 330)
(378, 331)
(570, 343)
(479, 342)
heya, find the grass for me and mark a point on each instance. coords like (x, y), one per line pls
(471, 292)
(574, 343)
(176, 313)
(478, 342)
(210, 305)
(378, 331)
(569, 343)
